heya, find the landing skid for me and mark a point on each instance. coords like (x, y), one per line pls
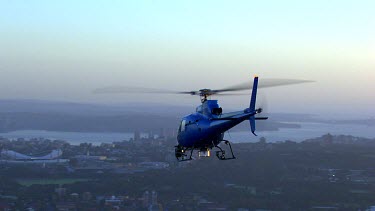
(182, 155)
(221, 154)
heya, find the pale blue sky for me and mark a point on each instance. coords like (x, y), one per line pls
(61, 50)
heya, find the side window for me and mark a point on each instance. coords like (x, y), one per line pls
(199, 109)
(183, 123)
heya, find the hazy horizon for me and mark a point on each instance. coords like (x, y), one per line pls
(65, 50)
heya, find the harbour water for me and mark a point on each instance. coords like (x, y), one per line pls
(308, 130)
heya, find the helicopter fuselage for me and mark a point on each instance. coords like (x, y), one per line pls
(206, 127)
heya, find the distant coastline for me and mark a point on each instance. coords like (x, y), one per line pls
(305, 131)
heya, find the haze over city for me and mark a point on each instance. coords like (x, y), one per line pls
(68, 142)
(64, 50)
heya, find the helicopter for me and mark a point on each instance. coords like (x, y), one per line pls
(204, 130)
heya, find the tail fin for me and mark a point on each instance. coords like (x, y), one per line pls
(254, 94)
(252, 104)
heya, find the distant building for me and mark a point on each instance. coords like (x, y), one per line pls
(151, 135)
(154, 198)
(112, 201)
(146, 199)
(86, 196)
(137, 136)
(162, 133)
(12, 155)
(90, 157)
(60, 191)
(150, 200)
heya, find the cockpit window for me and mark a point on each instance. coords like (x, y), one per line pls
(182, 126)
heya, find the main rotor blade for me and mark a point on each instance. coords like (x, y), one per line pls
(125, 89)
(263, 83)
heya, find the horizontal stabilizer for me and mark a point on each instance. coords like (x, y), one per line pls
(230, 118)
(261, 118)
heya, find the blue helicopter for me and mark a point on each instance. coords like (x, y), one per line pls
(204, 129)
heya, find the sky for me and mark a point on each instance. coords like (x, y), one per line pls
(63, 50)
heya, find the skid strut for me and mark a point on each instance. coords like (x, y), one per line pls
(180, 153)
(221, 154)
